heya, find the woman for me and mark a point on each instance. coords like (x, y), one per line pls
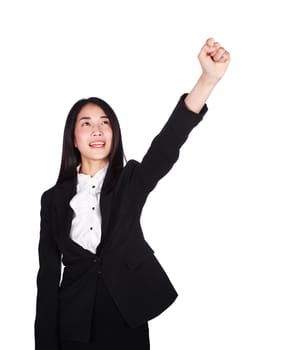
(112, 283)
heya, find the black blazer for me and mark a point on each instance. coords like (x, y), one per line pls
(133, 275)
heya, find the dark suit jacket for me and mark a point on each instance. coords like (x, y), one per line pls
(133, 275)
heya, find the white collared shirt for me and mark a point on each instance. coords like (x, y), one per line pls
(86, 224)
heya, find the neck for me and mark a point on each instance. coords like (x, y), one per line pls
(91, 168)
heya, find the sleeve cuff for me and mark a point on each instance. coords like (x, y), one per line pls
(197, 116)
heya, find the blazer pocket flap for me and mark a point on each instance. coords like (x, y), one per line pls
(137, 253)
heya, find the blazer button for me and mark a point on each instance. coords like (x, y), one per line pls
(96, 259)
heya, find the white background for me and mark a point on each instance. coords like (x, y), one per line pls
(214, 221)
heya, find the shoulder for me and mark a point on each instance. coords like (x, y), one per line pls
(130, 168)
(131, 165)
(50, 192)
(63, 189)
(126, 174)
(47, 195)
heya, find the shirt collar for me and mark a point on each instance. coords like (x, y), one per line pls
(85, 181)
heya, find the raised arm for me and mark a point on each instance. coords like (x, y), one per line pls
(164, 150)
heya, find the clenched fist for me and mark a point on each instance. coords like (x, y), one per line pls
(214, 60)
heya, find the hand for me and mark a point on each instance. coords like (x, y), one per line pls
(214, 60)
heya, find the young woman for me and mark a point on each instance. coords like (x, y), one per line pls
(112, 283)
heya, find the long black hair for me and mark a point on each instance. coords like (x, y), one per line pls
(71, 157)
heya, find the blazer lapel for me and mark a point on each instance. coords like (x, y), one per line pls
(105, 208)
(64, 213)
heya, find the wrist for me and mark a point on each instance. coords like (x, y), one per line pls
(208, 80)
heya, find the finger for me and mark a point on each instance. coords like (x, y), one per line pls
(212, 50)
(227, 57)
(208, 48)
(224, 58)
(209, 42)
(216, 46)
(219, 53)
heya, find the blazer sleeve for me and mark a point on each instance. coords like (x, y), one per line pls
(48, 279)
(165, 147)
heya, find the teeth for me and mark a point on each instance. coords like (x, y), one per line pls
(97, 143)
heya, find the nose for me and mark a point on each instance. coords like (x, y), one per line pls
(96, 131)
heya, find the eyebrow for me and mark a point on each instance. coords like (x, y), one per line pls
(88, 118)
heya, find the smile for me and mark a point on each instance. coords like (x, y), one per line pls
(97, 144)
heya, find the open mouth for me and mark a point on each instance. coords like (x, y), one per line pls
(97, 144)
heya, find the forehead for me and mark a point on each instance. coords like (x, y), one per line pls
(91, 110)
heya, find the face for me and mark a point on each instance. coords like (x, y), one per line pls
(93, 135)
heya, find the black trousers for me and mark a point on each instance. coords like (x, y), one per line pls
(109, 330)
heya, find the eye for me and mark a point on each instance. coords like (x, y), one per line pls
(85, 124)
(105, 122)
